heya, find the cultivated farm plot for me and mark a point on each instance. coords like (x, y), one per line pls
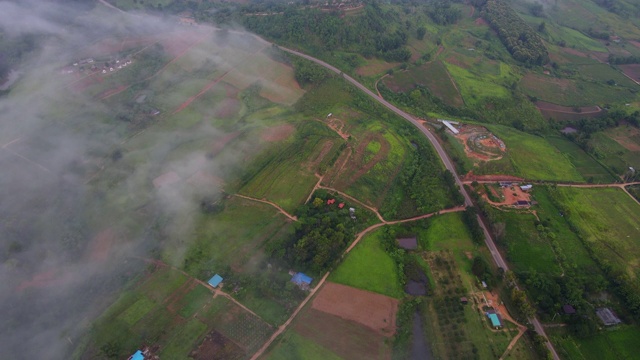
(609, 220)
(175, 324)
(432, 75)
(607, 345)
(619, 148)
(588, 167)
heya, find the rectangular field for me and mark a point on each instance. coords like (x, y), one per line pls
(369, 267)
(589, 168)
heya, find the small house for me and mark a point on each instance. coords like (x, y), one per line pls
(215, 280)
(608, 317)
(410, 243)
(521, 203)
(331, 201)
(464, 300)
(526, 187)
(138, 355)
(303, 281)
(352, 213)
(568, 309)
(484, 284)
(340, 206)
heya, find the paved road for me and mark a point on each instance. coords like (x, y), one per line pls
(497, 257)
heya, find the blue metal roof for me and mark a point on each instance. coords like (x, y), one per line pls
(495, 321)
(137, 356)
(215, 280)
(301, 278)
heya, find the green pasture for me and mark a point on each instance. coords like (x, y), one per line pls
(285, 175)
(433, 75)
(231, 237)
(369, 267)
(184, 340)
(612, 153)
(293, 346)
(445, 232)
(619, 343)
(608, 219)
(194, 301)
(475, 87)
(162, 283)
(589, 168)
(534, 158)
(526, 249)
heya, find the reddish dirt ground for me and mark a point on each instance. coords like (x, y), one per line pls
(100, 245)
(481, 22)
(345, 338)
(165, 179)
(574, 52)
(470, 176)
(455, 61)
(635, 43)
(543, 105)
(356, 162)
(112, 92)
(220, 144)
(338, 126)
(375, 311)
(511, 195)
(468, 131)
(626, 140)
(217, 346)
(277, 133)
(631, 70)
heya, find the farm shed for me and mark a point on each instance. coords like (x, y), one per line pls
(464, 300)
(449, 126)
(568, 309)
(137, 356)
(302, 280)
(409, 243)
(522, 203)
(608, 317)
(526, 187)
(215, 280)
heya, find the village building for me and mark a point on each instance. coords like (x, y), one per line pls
(302, 280)
(608, 317)
(464, 300)
(409, 243)
(568, 309)
(526, 187)
(496, 321)
(215, 280)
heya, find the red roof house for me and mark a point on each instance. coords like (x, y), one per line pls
(331, 201)
(341, 205)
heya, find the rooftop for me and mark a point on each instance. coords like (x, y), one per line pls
(215, 280)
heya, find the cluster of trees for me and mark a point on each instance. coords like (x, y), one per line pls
(618, 7)
(442, 13)
(322, 233)
(621, 60)
(519, 38)
(318, 31)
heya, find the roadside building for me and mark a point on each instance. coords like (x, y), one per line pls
(526, 187)
(215, 280)
(302, 280)
(496, 321)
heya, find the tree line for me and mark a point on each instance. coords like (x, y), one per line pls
(518, 37)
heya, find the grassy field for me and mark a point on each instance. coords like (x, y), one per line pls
(534, 158)
(135, 319)
(608, 219)
(369, 267)
(618, 148)
(433, 75)
(293, 347)
(589, 168)
(615, 344)
(471, 85)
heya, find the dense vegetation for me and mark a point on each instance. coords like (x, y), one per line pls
(519, 38)
(370, 34)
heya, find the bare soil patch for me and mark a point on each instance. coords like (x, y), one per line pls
(375, 67)
(217, 346)
(600, 56)
(481, 22)
(632, 71)
(100, 245)
(575, 52)
(635, 43)
(509, 195)
(480, 144)
(626, 139)
(375, 311)
(166, 179)
(346, 339)
(470, 176)
(357, 164)
(457, 62)
(277, 133)
(559, 112)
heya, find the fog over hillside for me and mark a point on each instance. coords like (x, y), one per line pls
(54, 143)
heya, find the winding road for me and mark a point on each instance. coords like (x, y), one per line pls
(497, 257)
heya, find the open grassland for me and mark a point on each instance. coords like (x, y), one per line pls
(534, 158)
(445, 232)
(618, 148)
(618, 343)
(574, 92)
(369, 267)
(475, 87)
(136, 319)
(609, 220)
(432, 75)
(586, 165)
(295, 347)
(285, 174)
